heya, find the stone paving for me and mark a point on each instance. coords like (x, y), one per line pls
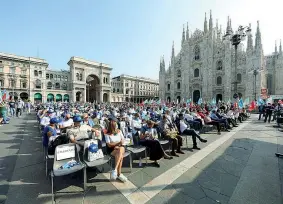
(242, 170)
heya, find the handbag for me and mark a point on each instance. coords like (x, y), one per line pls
(172, 134)
(94, 153)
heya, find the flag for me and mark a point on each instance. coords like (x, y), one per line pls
(269, 100)
(158, 102)
(189, 101)
(4, 95)
(252, 106)
(260, 102)
(0, 95)
(200, 101)
(247, 101)
(241, 104)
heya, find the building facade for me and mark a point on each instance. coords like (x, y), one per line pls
(30, 78)
(133, 89)
(205, 67)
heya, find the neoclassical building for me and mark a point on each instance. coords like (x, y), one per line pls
(30, 78)
(133, 89)
(205, 67)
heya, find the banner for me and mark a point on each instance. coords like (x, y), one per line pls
(65, 152)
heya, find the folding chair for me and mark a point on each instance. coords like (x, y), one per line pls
(94, 163)
(63, 154)
(136, 148)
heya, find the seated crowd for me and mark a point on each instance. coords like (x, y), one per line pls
(146, 126)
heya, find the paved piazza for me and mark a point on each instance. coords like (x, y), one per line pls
(238, 167)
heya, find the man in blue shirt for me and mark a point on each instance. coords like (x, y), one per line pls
(224, 121)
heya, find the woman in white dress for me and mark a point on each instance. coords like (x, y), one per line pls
(114, 140)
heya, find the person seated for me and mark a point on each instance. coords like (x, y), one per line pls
(87, 120)
(115, 140)
(149, 140)
(224, 116)
(66, 123)
(214, 117)
(209, 121)
(136, 123)
(171, 132)
(50, 131)
(45, 118)
(185, 129)
(79, 132)
(191, 120)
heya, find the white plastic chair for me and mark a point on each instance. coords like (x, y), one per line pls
(58, 162)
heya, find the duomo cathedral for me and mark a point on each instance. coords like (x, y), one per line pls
(205, 67)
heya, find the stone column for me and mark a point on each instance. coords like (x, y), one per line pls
(84, 95)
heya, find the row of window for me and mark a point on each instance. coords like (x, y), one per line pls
(50, 85)
(12, 84)
(57, 77)
(140, 92)
(218, 82)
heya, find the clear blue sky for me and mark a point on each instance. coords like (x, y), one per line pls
(130, 35)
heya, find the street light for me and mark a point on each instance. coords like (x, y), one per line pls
(255, 72)
(236, 39)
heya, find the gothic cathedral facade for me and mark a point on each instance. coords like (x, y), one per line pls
(205, 67)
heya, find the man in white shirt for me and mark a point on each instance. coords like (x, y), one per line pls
(185, 130)
(67, 122)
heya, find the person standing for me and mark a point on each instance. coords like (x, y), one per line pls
(12, 106)
(268, 112)
(20, 105)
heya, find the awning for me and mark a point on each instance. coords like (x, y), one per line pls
(50, 96)
(58, 97)
(66, 97)
(37, 96)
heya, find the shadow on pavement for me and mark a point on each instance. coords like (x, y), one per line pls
(211, 181)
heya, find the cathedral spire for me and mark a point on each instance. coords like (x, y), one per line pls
(173, 55)
(250, 41)
(280, 48)
(219, 32)
(228, 29)
(162, 64)
(187, 32)
(276, 51)
(210, 22)
(258, 45)
(205, 24)
(183, 35)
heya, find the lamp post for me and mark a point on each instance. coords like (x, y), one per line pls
(236, 39)
(255, 74)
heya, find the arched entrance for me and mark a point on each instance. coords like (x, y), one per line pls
(178, 99)
(66, 98)
(196, 96)
(78, 96)
(92, 88)
(50, 97)
(37, 98)
(168, 99)
(127, 99)
(218, 98)
(105, 97)
(24, 96)
(58, 97)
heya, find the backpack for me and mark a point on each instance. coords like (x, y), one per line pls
(62, 139)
